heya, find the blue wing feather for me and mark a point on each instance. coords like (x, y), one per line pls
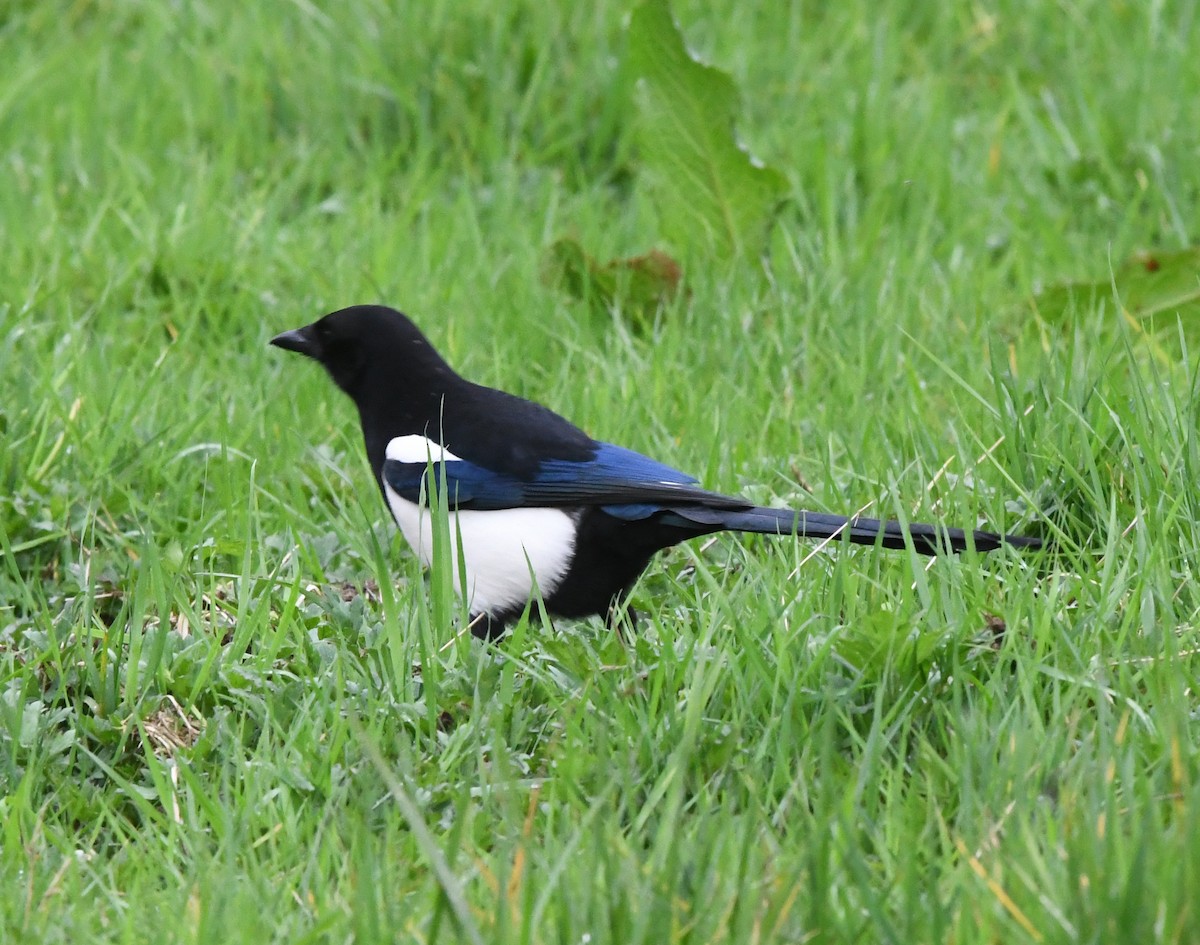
(626, 484)
(633, 487)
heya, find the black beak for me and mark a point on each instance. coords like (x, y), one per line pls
(300, 340)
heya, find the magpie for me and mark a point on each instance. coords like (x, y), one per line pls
(538, 506)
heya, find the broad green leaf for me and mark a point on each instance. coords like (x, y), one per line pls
(712, 197)
(1147, 284)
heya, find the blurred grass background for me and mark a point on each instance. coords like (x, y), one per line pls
(229, 710)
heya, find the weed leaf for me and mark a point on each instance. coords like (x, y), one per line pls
(1147, 284)
(712, 197)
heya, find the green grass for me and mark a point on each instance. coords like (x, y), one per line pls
(210, 733)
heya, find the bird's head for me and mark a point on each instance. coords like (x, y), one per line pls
(364, 346)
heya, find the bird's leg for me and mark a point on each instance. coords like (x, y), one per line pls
(621, 615)
(485, 627)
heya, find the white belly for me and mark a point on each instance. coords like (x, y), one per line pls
(504, 551)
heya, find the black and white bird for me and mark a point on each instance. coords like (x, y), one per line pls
(538, 506)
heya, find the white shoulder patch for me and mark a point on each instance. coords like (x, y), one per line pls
(415, 448)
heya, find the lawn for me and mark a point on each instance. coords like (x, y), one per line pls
(235, 710)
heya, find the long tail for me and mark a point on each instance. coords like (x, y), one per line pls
(927, 539)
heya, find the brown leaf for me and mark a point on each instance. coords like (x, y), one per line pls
(637, 287)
